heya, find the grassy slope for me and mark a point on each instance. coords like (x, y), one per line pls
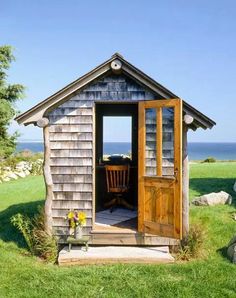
(214, 276)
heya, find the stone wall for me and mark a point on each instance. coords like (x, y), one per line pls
(21, 170)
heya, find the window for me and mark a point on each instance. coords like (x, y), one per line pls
(117, 136)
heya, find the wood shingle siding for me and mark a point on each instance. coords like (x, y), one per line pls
(77, 204)
(70, 136)
(71, 153)
(71, 143)
(72, 178)
(84, 119)
(58, 161)
(65, 170)
(71, 187)
(60, 213)
(71, 128)
(77, 196)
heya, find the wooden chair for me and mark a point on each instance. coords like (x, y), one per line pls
(117, 177)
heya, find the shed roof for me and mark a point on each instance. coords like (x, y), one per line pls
(35, 113)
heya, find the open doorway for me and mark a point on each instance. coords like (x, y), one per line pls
(116, 145)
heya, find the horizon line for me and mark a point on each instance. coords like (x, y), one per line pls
(41, 141)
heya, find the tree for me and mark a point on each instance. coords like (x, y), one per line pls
(9, 94)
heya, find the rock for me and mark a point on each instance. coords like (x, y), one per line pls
(234, 187)
(5, 179)
(27, 172)
(214, 198)
(6, 169)
(21, 174)
(22, 165)
(30, 166)
(231, 251)
(12, 175)
(22, 169)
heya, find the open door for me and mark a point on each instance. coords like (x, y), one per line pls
(160, 168)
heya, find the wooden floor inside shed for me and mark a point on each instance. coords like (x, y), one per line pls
(125, 226)
(120, 228)
(120, 220)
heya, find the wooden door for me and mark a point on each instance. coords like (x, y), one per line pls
(160, 168)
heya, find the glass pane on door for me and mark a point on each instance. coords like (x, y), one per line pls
(167, 141)
(150, 146)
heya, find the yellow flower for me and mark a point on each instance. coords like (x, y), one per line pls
(82, 218)
(70, 215)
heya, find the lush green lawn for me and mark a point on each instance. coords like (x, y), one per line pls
(24, 276)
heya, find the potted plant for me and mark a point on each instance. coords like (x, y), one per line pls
(76, 222)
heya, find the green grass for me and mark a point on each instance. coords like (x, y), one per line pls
(22, 275)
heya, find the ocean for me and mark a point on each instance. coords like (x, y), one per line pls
(196, 151)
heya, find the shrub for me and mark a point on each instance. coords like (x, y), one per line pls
(209, 159)
(39, 242)
(191, 246)
(45, 245)
(23, 224)
(37, 167)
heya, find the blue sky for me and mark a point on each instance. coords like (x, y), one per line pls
(188, 46)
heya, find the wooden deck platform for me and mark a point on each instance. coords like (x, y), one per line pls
(129, 237)
(114, 254)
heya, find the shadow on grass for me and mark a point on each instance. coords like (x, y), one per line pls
(223, 252)
(208, 185)
(7, 231)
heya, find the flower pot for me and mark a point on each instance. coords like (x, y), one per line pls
(78, 232)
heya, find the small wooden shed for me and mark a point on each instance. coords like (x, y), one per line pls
(72, 122)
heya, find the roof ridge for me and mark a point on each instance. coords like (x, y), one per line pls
(117, 55)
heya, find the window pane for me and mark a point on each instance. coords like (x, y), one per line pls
(117, 136)
(150, 155)
(168, 141)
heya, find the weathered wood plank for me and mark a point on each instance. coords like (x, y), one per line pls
(61, 213)
(70, 136)
(88, 95)
(59, 161)
(73, 170)
(70, 119)
(72, 178)
(72, 111)
(76, 196)
(130, 239)
(48, 183)
(71, 128)
(71, 153)
(86, 187)
(71, 144)
(75, 103)
(71, 204)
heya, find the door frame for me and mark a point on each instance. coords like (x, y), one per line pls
(94, 173)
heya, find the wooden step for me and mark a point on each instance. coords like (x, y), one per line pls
(114, 254)
(133, 238)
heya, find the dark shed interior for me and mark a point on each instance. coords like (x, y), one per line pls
(114, 109)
